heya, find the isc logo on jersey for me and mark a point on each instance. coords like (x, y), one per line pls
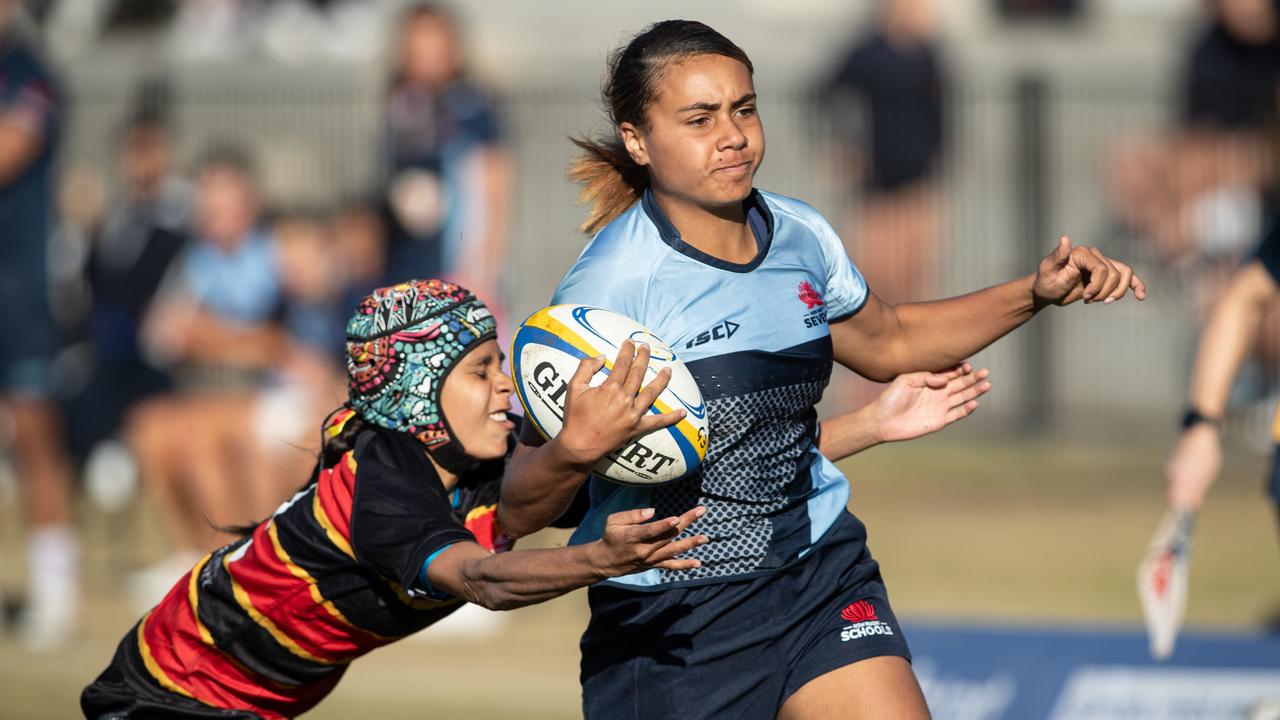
(546, 351)
(722, 330)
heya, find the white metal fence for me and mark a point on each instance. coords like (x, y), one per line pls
(1109, 369)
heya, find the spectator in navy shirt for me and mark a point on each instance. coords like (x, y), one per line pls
(895, 75)
(447, 172)
(144, 232)
(29, 123)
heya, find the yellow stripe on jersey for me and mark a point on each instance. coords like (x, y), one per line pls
(301, 573)
(335, 537)
(264, 622)
(1275, 430)
(193, 597)
(152, 666)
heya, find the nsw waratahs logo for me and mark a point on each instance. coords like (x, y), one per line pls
(815, 309)
(808, 295)
(862, 615)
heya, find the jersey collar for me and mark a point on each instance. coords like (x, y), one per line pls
(758, 217)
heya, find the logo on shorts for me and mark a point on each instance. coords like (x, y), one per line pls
(863, 616)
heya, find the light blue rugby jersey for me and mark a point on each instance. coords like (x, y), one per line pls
(755, 338)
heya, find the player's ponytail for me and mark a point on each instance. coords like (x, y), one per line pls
(611, 181)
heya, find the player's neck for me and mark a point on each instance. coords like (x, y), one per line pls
(722, 233)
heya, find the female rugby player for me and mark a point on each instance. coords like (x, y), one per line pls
(394, 531)
(787, 615)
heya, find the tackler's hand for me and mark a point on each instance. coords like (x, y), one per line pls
(632, 542)
(919, 403)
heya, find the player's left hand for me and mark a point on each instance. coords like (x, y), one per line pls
(919, 403)
(1083, 273)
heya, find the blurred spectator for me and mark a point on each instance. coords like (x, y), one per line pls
(447, 173)
(1194, 195)
(895, 75)
(213, 323)
(361, 239)
(127, 261)
(310, 378)
(253, 323)
(29, 126)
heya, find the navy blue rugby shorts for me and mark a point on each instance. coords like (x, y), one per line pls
(737, 649)
(28, 337)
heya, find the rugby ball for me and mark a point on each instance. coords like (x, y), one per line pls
(545, 353)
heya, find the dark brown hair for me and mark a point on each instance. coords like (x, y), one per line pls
(611, 181)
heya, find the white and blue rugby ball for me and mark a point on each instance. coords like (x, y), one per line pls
(545, 354)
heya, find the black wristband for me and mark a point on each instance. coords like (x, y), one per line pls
(1193, 417)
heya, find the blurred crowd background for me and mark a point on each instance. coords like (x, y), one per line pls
(202, 188)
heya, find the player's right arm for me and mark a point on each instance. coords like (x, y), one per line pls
(542, 479)
(507, 580)
(1196, 459)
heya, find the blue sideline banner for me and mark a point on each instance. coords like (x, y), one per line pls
(1011, 673)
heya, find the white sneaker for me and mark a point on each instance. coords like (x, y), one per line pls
(111, 476)
(48, 629)
(51, 618)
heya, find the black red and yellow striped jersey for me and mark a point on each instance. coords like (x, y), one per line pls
(270, 622)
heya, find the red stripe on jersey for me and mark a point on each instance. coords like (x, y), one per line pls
(334, 493)
(483, 523)
(288, 603)
(173, 652)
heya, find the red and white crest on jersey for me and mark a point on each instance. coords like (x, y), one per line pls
(808, 295)
(860, 611)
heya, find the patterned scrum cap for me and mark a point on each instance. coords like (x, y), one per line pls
(401, 343)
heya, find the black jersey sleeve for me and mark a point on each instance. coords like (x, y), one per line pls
(400, 511)
(1268, 252)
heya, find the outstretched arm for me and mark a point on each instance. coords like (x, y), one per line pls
(915, 404)
(542, 480)
(514, 579)
(882, 340)
(1231, 331)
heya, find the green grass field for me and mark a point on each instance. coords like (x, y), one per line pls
(1035, 533)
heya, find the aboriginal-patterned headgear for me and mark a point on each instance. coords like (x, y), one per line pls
(402, 342)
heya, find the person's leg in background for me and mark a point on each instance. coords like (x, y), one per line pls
(52, 605)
